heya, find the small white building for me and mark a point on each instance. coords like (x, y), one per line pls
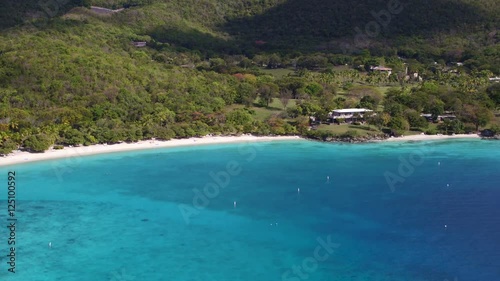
(382, 69)
(349, 114)
(139, 44)
(494, 79)
(447, 116)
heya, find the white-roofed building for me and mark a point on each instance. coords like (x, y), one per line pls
(348, 115)
(494, 79)
(382, 69)
(447, 116)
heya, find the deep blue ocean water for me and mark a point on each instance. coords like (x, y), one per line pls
(304, 211)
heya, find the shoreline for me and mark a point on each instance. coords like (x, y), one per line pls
(432, 137)
(385, 138)
(19, 157)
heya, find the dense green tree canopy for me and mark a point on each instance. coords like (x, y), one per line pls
(72, 76)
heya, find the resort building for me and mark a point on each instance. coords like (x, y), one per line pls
(348, 115)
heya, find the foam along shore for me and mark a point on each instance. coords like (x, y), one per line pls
(433, 137)
(18, 157)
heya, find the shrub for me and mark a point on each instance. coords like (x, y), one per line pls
(163, 133)
(451, 127)
(72, 137)
(398, 125)
(38, 143)
(469, 128)
(495, 129)
(7, 147)
(431, 131)
(239, 117)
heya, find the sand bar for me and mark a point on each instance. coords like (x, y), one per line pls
(18, 157)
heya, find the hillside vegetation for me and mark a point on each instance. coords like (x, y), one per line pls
(71, 76)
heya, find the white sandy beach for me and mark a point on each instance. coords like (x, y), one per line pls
(68, 152)
(18, 157)
(433, 137)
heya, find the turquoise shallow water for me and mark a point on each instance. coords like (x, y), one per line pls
(137, 216)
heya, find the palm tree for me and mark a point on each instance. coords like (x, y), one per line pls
(13, 126)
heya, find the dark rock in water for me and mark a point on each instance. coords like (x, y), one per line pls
(144, 220)
(487, 133)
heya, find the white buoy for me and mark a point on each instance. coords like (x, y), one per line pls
(234, 204)
(448, 185)
(439, 163)
(298, 190)
(445, 226)
(50, 244)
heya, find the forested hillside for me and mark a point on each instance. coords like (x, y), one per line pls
(71, 76)
(432, 29)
